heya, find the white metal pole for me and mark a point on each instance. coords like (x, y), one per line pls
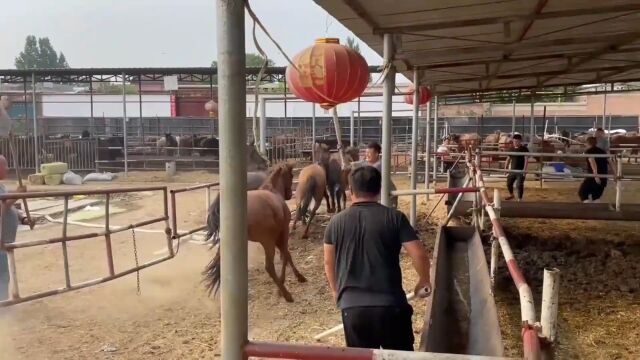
(233, 178)
(427, 150)
(35, 120)
(388, 90)
(414, 148)
(532, 132)
(513, 117)
(435, 141)
(604, 111)
(497, 204)
(263, 125)
(352, 130)
(618, 182)
(549, 311)
(313, 132)
(124, 123)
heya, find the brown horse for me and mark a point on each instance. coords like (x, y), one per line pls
(312, 184)
(268, 218)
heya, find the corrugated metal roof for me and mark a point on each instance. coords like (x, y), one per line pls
(471, 46)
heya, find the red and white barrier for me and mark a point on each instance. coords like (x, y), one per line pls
(530, 338)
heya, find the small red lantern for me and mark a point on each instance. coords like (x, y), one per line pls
(328, 73)
(423, 97)
(212, 107)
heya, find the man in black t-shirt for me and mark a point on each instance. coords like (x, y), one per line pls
(592, 188)
(362, 263)
(519, 163)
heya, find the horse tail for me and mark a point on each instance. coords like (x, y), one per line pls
(309, 190)
(211, 274)
(213, 221)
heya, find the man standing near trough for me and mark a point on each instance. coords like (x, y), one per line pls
(592, 188)
(372, 158)
(362, 264)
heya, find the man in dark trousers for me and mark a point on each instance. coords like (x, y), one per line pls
(362, 264)
(592, 188)
(518, 163)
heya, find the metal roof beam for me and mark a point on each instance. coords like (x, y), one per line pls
(554, 73)
(527, 45)
(520, 59)
(590, 10)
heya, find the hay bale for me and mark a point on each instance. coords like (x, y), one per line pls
(54, 179)
(54, 168)
(36, 179)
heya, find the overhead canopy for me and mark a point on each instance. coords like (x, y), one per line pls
(472, 46)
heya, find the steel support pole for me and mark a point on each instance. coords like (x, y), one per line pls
(313, 132)
(124, 123)
(233, 178)
(427, 150)
(414, 148)
(387, 101)
(513, 117)
(618, 182)
(604, 111)
(352, 132)
(532, 122)
(141, 128)
(435, 140)
(35, 119)
(263, 125)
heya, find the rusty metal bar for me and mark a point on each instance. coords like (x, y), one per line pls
(65, 255)
(196, 187)
(25, 244)
(37, 194)
(186, 233)
(82, 285)
(107, 236)
(174, 216)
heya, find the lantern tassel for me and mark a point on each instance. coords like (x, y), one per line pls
(336, 124)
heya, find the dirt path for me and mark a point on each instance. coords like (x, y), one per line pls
(173, 318)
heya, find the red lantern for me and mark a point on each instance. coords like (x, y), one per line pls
(212, 107)
(423, 97)
(328, 73)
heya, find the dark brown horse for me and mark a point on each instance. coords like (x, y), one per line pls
(312, 184)
(337, 176)
(268, 218)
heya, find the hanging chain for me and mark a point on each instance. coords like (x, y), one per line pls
(135, 256)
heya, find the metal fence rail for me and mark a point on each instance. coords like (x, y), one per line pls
(14, 294)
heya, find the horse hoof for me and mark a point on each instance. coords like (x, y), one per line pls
(288, 298)
(331, 211)
(305, 236)
(302, 279)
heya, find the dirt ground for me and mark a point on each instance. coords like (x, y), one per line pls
(173, 318)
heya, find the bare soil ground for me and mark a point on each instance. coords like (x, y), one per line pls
(173, 317)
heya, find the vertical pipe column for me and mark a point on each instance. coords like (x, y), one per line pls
(549, 311)
(233, 178)
(427, 149)
(124, 123)
(360, 124)
(263, 125)
(65, 255)
(387, 101)
(92, 120)
(35, 119)
(604, 110)
(414, 147)
(435, 141)
(313, 132)
(513, 117)
(532, 122)
(141, 128)
(618, 182)
(352, 131)
(495, 246)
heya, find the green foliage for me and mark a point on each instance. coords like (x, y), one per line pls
(115, 89)
(255, 60)
(353, 44)
(39, 54)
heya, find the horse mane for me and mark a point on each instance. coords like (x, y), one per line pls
(275, 173)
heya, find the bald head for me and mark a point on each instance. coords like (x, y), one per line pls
(3, 167)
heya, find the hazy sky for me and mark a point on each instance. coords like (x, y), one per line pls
(156, 33)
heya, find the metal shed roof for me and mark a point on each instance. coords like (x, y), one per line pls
(472, 46)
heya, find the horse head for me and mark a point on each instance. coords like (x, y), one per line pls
(280, 180)
(322, 153)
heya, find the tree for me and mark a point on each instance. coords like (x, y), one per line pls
(39, 54)
(353, 44)
(255, 60)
